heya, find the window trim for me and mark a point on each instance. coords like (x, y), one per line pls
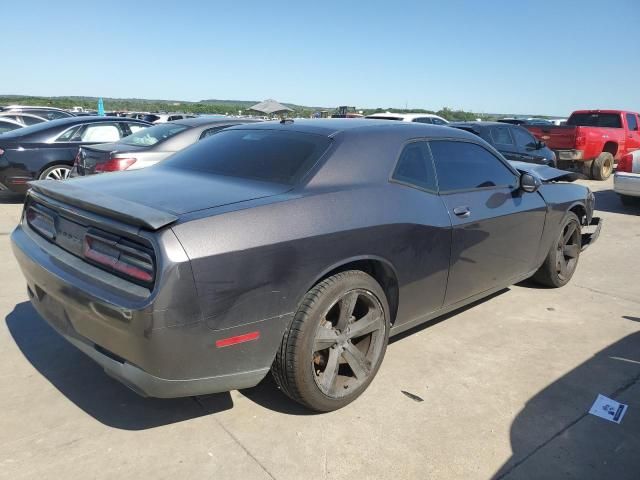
(491, 150)
(511, 135)
(408, 184)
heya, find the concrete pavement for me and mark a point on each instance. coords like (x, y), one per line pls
(506, 385)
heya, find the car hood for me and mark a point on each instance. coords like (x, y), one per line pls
(155, 196)
(544, 172)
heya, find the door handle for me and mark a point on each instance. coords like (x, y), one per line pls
(462, 212)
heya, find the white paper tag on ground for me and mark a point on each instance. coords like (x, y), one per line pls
(608, 409)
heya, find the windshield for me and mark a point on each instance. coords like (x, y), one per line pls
(152, 135)
(607, 120)
(267, 155)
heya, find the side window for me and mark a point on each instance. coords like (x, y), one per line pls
(523, 138)
(632, 121)
(422, 120)
(211, 131)
(501, 136)
(438, 121)
(414, 166)
(101, 132)
(67, 135)
(466, 166)
(135, 127)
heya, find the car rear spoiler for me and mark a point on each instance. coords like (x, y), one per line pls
(119, 209)
(546, 173)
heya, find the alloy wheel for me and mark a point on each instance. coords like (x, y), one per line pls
(59, 173)
(568, 250)
(348, 343)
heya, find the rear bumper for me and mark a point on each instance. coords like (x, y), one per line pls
(569, 155)
(592, 232)
(131, 339)
(627, 184)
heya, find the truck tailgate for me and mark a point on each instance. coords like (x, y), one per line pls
(556, 137)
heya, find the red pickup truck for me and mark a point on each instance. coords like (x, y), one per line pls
(592, 140)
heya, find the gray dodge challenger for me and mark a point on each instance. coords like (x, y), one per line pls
(296, 247)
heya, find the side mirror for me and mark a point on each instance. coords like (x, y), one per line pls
(540, 144)
(529, 183)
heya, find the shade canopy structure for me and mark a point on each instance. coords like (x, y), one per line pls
(270, 107)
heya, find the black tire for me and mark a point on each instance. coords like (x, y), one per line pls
(301, 367)
(53, 170)
(602, 167)
(562, 260)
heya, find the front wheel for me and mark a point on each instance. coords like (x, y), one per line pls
(336, 342)
(56, 172)
(562, 259)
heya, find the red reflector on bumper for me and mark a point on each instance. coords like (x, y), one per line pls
(247, 337)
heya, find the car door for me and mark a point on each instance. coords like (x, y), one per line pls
(496, 226)
(502, 139)
(633, 134)
(527, 145)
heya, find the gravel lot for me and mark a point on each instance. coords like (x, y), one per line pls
(506, 385)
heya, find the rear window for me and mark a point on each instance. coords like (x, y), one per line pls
(152, 135)
(150, 118)
(607, 120)
(266, 155)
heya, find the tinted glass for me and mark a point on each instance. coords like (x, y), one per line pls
(501, 136)
(632, 121)
(49, 114)
(523, 137)
(150, 118)
(152, 135)
(266, 155)
(422, 120)
(31, 120)
(68, 135)
(463, 166)
(135, 127)
(414, 166)
(7, 126)
(438, 121)
(609, 120)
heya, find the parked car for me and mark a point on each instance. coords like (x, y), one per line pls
(297, 247)
(49, 113)
(410, 117)
(149, 146)
(626, 180)
(512, 141)
(165, 117)
(47, 150)
(526, 121)
(25, 119)
(8, 125)
(592, 140)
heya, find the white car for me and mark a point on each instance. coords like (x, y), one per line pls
(410, 117)
(165, 117)
(626, 181)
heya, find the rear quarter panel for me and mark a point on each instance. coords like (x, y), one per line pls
(258, 263)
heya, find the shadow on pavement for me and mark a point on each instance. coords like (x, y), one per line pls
(84, 383)
(609, 201)
(554, 436)
(7, 198)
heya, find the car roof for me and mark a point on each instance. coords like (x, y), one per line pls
(332, 126)
(221, 120)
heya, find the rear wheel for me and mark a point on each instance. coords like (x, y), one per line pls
(562, 259)
(56, 172)
(602, 166)
(336, 342)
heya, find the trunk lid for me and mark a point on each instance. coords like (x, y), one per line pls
(556, 137)
(154, 197)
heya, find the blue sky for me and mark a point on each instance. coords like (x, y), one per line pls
(493, 56)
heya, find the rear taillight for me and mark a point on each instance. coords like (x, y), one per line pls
(122, 257)
(581, 140)
(115, 165)
(41, 222)
(625, 164)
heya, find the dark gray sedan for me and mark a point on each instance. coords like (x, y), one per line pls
(149, 146)
(294, 247)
